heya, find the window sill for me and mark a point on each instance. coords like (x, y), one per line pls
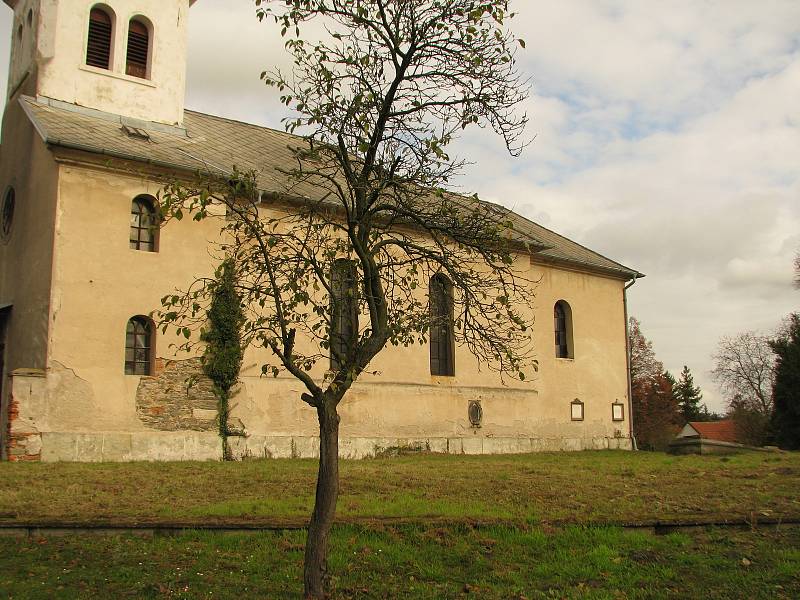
(115, 75)
(566, 360)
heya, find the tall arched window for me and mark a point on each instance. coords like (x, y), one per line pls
(144, 224)
(344, 309)
(138, 54)
(139, 346)
(98, 47)
(562, 314)
(440, 298)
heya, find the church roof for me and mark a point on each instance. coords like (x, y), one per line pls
(216, 144)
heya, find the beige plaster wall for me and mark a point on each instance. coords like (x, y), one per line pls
(99, 283)
(52, 54)
(23, 45)
(26, 256)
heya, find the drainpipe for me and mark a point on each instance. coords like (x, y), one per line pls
(628, 360)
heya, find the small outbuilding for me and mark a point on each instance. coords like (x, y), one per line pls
(712, 437)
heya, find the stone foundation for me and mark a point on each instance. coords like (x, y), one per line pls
(190, 445)
(23, 441)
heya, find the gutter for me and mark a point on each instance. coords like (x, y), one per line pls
(628, 358)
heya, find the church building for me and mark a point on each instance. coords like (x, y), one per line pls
(94, 119)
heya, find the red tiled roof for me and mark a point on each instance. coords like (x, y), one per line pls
(722, 431)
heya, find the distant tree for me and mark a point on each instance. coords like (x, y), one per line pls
(786, 391)
(797, 270)
(707, 415)
(645, 367)
(688, 396)
(656, 417)
(744, 367)
(752, 425)
(744, 370)
(671, 379)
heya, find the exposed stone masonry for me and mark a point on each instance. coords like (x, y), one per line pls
(179, 397)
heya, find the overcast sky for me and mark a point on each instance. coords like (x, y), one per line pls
(667, 138)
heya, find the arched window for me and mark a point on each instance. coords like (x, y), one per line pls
(562, 314)
(138, 54)
(344, 309)
(144, 224)
(139, 346)
(440, 298)
(98, 48)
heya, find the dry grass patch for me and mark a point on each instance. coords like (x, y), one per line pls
(585, 487)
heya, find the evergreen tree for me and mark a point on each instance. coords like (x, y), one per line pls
(688, 396)
(671, 380)
(786, 391)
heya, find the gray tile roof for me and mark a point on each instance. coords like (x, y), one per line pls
(216, 144)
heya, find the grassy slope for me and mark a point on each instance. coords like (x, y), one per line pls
(413, 562)
(540, 488)
(525, 559)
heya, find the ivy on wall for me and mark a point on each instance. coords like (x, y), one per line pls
(222, 359)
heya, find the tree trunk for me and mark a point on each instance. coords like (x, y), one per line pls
(315, 576)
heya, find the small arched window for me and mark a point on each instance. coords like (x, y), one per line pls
(139, 346)
(138, 54)
(98, 47)
(144, 224)
(344, 310)
(440, 298)
(562, 314)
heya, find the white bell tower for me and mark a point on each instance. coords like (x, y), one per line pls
(125, 57)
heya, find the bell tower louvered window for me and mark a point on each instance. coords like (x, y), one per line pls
(440, 294)
(138, 49)
(98, 48)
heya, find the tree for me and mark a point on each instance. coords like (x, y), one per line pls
(743, 367)
(752, 425)
(339, 265)
(222, 358)
(655, 411)
(688, 396)
(786, 391)
(797, 270)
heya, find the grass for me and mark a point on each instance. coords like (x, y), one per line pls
(412, 562)
(585, 487)
(490, 527)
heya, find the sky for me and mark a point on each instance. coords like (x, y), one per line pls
(666, 136)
